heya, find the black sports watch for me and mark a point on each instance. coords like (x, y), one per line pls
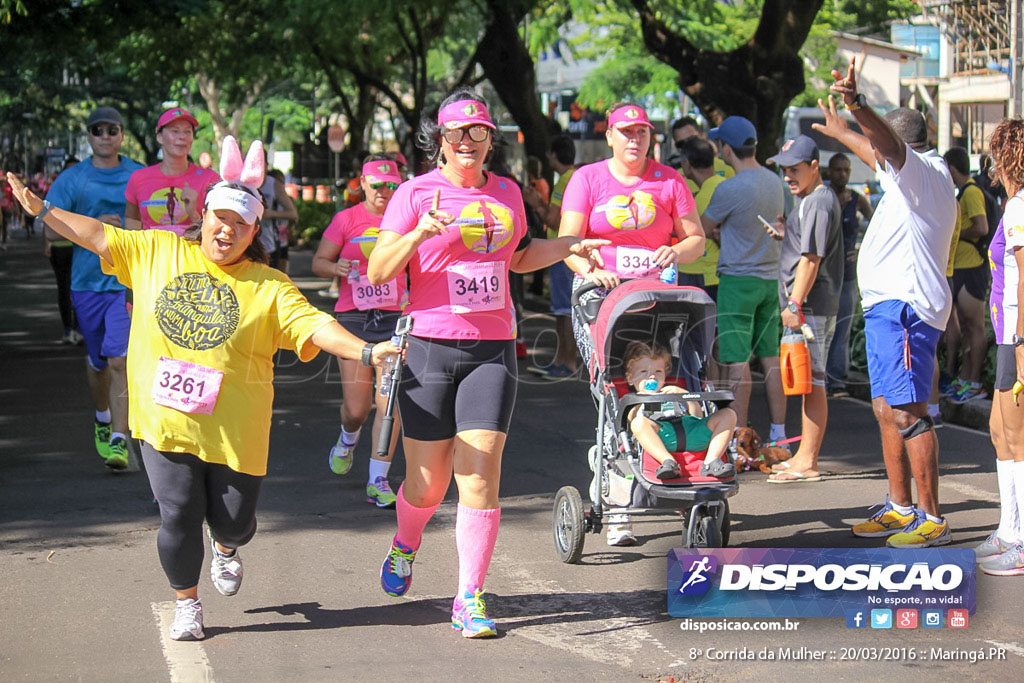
(858, 102)
(367, 356)
(1017, 340)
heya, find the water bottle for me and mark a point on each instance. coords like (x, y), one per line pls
(669, 274)
(353, 273)
(389, 366)
(795, 364)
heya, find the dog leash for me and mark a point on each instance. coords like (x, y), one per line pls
(779, 443)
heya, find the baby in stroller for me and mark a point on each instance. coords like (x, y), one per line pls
(664, 432)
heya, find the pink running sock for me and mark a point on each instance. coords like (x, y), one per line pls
(475, 534)
(411, 520)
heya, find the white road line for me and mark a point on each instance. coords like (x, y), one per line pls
(186, 660)
(968, 490)
(1009, 647)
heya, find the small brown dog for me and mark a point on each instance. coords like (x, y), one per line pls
(752, 455)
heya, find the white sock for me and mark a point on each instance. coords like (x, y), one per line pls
(103, 416)
(378, 468)
(936, 520)
(118, 435)
(778, 432)
(902, 509)
(1009, 522)
(349, 438)
(933, 410)
(1018, 486)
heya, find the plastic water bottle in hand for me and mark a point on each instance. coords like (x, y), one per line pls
(669, 274)
(389, 366)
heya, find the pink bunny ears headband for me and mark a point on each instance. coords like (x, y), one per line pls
(234, 172)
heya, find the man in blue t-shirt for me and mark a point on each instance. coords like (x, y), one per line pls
(96, 188)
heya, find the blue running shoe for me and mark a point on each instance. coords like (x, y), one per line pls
(396, 572)
(469, 615)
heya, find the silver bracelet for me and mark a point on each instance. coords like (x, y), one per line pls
(46, 209)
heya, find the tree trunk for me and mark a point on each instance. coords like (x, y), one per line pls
(224, 123)
(758, 80)
(508, 66)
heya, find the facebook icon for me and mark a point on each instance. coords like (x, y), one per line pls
(856, 618)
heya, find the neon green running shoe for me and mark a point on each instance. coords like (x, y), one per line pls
(118, 458)
(101, 432)
(380, 493)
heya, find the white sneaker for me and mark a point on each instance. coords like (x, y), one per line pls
(341, 458)
(188, 620)
(620, 531)
(225, 572)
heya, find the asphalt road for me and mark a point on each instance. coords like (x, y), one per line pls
(84, 598)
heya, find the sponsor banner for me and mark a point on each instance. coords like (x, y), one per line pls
(817, 582)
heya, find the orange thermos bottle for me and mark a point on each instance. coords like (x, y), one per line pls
(795, 364)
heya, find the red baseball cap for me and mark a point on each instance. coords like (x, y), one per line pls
(174, 114)
(629, 115)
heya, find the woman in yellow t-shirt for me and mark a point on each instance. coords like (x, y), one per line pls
(209, 315)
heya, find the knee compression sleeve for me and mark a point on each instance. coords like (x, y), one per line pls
(919, 427)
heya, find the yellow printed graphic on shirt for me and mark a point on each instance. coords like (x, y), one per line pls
(485, 227)
(634, 212)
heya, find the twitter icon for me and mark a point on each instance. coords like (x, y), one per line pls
(881, 618)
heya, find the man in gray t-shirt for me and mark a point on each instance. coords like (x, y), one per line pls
(748, 267)
(810, 276)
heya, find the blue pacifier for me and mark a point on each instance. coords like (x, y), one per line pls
(649, 385)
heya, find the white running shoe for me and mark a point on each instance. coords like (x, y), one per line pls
(620, 531)
(225, 571)
(188, 620)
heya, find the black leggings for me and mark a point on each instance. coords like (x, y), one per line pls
(190, 490)
(60, 260)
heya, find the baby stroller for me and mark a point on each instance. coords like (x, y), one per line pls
(681, 319)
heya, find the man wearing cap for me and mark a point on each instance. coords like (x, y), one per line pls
(906, 301)
(170, 195)
(687, 128)
(748, 269)
(810, 277)
(95, 187)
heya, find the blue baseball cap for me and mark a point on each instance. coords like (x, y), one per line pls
(735, 131)
(799, 149)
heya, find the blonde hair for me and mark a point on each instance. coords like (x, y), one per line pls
(636, 350)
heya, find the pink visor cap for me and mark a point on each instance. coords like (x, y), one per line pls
(382, 171)
(464, 113)
(172, 115)
(630, 115)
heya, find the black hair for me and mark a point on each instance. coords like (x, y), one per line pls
(428, 137)
(743, 152)
(377, 157)
(909, 125)
(838, 156)
(686, 121)
(255, 250)
(698, 152)
(957, 158)
(564, 149)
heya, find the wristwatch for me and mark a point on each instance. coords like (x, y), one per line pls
(1017, 340)
(858, 102)
(367, 356)
(793, 306)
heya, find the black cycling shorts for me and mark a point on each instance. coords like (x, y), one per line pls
(370, 326)
(451, 386)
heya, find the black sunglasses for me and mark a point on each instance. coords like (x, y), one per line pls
(97, 130)
(391, 186)
(476, 134)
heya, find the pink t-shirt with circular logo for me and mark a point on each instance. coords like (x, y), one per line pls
(459, 284)
(355, 231)
(637, 219)
(158, 196)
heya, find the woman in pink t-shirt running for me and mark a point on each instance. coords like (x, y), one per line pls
(459, 230)
(369, 311)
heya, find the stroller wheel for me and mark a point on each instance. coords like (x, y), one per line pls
(710, 530)
(569, 525)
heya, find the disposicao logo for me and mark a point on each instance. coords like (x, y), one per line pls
(817, 582)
